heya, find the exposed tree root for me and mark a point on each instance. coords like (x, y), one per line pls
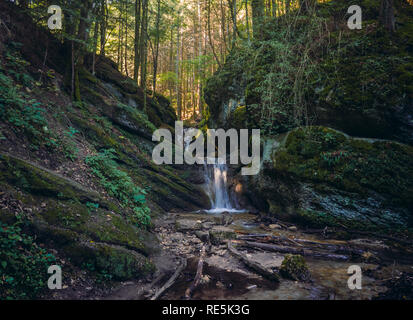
(171, 280)
(198, 276)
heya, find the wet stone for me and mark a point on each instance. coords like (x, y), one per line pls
(185, 225)
(219, 234)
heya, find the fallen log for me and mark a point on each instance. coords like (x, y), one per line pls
(171, 280)
(369, 234)
(292, 250)
(344, 248)
(266, 273)
(198, 276)
(269, 236)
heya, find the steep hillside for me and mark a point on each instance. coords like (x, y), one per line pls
(78, 185)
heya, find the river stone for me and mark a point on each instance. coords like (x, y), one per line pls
(187, 225)
(220, 233)
(207, 225)
(274, 226)
(202, 235)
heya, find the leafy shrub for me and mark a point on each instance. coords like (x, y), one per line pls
(25, 115)
(23, 264)
(118, 184)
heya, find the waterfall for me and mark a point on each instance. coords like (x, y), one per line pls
(216, 182)
(216, 185)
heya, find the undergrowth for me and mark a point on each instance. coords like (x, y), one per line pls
(23, 264)
(120, 185)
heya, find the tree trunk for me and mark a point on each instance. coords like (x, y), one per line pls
(137, 39)
(103, 27)
(177, 69)
(210, 36)
(387, 15)
(144, 51)
(155, 60)
(257, 17)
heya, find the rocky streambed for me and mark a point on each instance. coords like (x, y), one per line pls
(321, 271)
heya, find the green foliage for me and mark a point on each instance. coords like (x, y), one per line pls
(118, 184)
(308, 68)
(23, 264)
(92, 206)
(23, 114)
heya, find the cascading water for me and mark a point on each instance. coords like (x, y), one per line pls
(216, 181)
(216, 185)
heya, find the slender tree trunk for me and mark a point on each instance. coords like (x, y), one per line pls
(126, 38)
(387, 15)
(103, 27)
(200, 67)
(247, 21)
(137, 39)
(177, 66)
(223, 18)
(155, 60)
(144, 50)
(274, 8)
(210, 36)
(257, 17)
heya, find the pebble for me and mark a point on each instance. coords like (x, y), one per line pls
(274, 226)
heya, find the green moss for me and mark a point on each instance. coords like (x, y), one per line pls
(113, 229)
(120, 263)
(238, 118)
(358, 81)
(294, 267)
(42, 182)
(322, 155)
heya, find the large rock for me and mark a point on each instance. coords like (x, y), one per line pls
(218, 234)
(185, 225)
(321, 177)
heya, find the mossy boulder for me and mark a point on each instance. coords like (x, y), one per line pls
(294, 267)
(320, 177)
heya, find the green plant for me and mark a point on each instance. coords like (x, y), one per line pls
(92, 206)
(23, 114)
(71, 132)
(23, 264)
(118, 184)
